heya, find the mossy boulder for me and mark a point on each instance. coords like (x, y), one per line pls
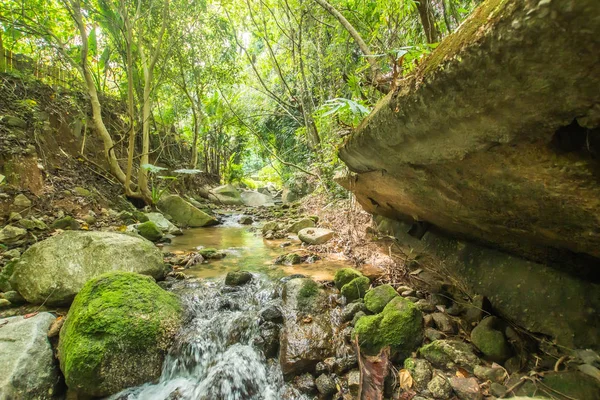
(377, 298)
(399, 325)
(489, 338)
(356, 288)
(449, 354)
(344, 276)
(212, 253)
(117, 333)
(66, 223)
(54, 270)
(238, 278)
(184, 213)
(150, 231)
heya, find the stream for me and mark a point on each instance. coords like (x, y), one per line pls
(216, 354)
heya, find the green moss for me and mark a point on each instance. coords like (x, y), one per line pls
(308, 295)
(399, 325)
(116, 317)
(208, 252)
(491, 342)
(150, 231)
(344, 276)
(377, 298)
(356, 288)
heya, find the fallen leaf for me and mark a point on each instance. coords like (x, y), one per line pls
(405, 379)
(30, 315)
(462, 373)
(122, 228)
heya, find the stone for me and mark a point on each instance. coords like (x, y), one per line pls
(269, 334)
(466, 388)
(497, 390)
(420, 371)
(4, 303)
(28, 369)
(14, 297)
(272, 313)
(296, 188)
(254, 199)
(326, 385)
(315, 236)
(227, 195)
(304, 341)
(357, 316)
(11, 234)
(350, 310)
(490, 374)
(14, 122)
(33, 224)
(355, 289)
(345, 275)
(297, 226)
(10, 254)
(354, 381)
(378, 297)
(54, 270)
(246, 220)
(210, 253)
(439, 387)
(238, 278)
(489, 338)
(399, 325)
(66, 223)
(163, 224)
(184, 213)
(305, 383)
(450, 353)
(117, 333)
(21, 202)
(90, 219)
(425, 306)
(15, 216)
(345, 363)
(444, 323)
(479, 308)
(571, 384)
(433, 334)
(150, 231)
(270, 226)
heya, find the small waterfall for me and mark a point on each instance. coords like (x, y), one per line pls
(214, 357)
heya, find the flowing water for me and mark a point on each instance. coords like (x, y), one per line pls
(215, 356)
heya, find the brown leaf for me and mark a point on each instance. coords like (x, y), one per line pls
(405, 379)
(30, 315)
(462, 373)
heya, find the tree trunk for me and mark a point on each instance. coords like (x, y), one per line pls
(432, 32)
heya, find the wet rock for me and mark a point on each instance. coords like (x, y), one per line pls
(150, 231)
(55, 269)
(238, 278)
(289, 259)
(27, 370)
(305, 383)
(326, 385)
(444, 323)
(126, 323)
(420, 371)
(315, 235)
(210, 253)
(184, 213)
(490, 374)
(354, 381)
(246, 220)
(399, 325)
(271, 313)
(11, 234)
(449, 353)
(21, 202)
(489, 338)
(269, 333)
(66, 223)
(466, 388)
(297, 226)
(352, 309)
(439, 387)
(377, 298)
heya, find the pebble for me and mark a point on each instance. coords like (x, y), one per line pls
(326, 385)
(444, 323)
(490, 374)
(425, 306)
(354, 381)
(466, 388)
(439, 386)
(433, 335)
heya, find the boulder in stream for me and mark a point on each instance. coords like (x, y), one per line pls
(28, 369)
(149, 230)
(184, 213)
(55, 269)
(117, 333)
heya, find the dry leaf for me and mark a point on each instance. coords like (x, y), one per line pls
(462, 373)
(405, 380)
(122, 228)
(30, 315)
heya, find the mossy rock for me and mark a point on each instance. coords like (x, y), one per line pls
(574, 384)
(117, 333)
(211, 253)
(491, 341)
(344, 276)
(308, 295)
(356, 288)
(66, 223)
(448, 353)
(297, 226)
(238, 278)
(377, 298)
(150, 231)
(399, 325)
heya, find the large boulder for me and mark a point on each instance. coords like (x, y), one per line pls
(54, 270)
(163, 224)
(28, 369)
(117, 333)
(304, 340)
(226, 194)
(184, 213)
(256, 199)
